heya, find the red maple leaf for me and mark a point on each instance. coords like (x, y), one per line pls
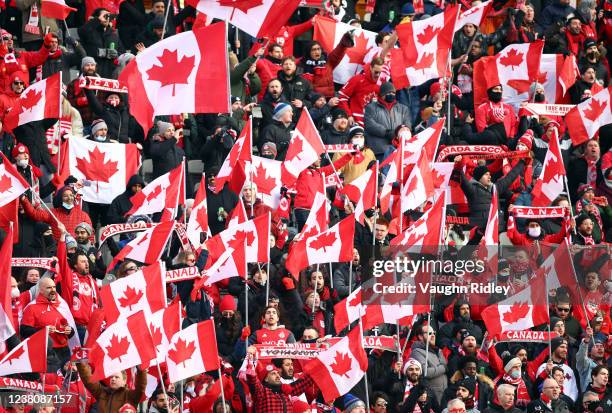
(310, 232)
(5, 183)
(18, 353)
(131, 296)
(239, 237)
(117, 347)
(156, 335)
(355, 301)
(182, 351)
(295, 149)
(30, 99)
(425, 62)
(153, 194)
(597, 107)
(516, 312)
(342, 364)
(172, 71)
(97, 169)
(242, 5)
(513, 58)
(323, 240)
(358, 52)
(202, 216)
(520, 85)
(428, 34)
(265, 184)
(438, 178)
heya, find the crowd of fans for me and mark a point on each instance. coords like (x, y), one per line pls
(448, 364)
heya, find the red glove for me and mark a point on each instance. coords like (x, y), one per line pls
(288, 283)
(358, 157)
(48, 39)
(246, 332)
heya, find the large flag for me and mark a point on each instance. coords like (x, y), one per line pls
(266, 174)
(124, 344)
(259, 18)
(558, 74)
(363, 192)
(148, 246)
(30, 356)
(474, 15)
(39, 101)
(349, 310)
(192, 351)
(108, 167)
(333, 245)
(185, 73)
(420, 185)
(425, 231)
(7, 329)
(241, 151)
(328, 32)
(584, 121)
(55, 9)
(257, 233)
(198, 219)
(144, 290)
(339, 368)
(12, 184)
(425, 46)
(550, 183)
(162, 194)
(163, 325)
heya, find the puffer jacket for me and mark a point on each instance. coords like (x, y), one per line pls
(117, 118)
(436, 367)
(380, 124)
(295, 87)
(278, 134)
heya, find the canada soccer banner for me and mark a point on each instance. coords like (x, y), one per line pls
(584, 121)
(108, 167)
(39, 101)
(185, 73)
(328, 32)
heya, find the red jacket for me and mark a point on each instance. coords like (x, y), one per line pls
(484, 117)
(522, 239)
(22, 63)
(267, 70)
(43, 313)
(357, 93)
(309, 181)
(322, 78)
(70, 219)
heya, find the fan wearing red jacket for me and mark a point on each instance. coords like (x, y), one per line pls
(268, 67)
(534, 233)
(15, 61)
(285, 36)
(360, 90)
(495, 111)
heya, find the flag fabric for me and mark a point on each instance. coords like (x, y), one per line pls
(39, 101)
(557, 75)
(161, 194)
(241, 151)
(491, 235)
(231, 263)
(9, 216)
(7, 329)
(259, 18)
(333, 245)
(583, 121)
(420, 185)
(184, 73)
(568, 74)
(363, 192)
(238, 215)
(348, 310)
(192, 351)
(550, 183)
(256, 231)
(304, 149)
(148, 246)
(318, 217)
(124, 344)
(55, 9)
(163, 325)
(144, 290)
(30, 356)
(425, 231)
(266, 174)
(339, 368)
(12, 184)
(328, 33)
(425, 46)
(474, 15)
(108, 167)
(198, 219)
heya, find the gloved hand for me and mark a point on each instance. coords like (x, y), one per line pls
(48, 39)
(288, 283)
(70, 41)
(347, 40)
(101, 52)
(389, 134)
(370, 212)
(112, 54)
(246, 332)
(358, 157)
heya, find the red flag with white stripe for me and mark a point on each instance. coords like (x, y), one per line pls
(318, 217)
(583, 121)
(144, 290)
(491, 235)
(550, 183)
(198, 219)
(163, 193)
(163, 325)
(363, 192)
(257, 233)
(192, 351)
(557, 74)
(348, 310)
(420, 185)
(241, 151)
(339, 368)
(425, 231)
(184, 73)
(148, 246)
(231, 263)
(55, 9)
(7, 329)
(30, 356)
(474, 15)
(263, 172)
(39, 101)
(239, 214)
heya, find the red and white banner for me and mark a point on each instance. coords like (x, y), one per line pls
(550, 183)
(46, 263)
(100, 83)
(548, 109)
(583, 122)
(18, 384)
(182, 274)
(192, 351)
(340, 147)
(449, 151)
(198, 219)
(55, 9)
(144, 290)
(162, 194)
(184, 73)
(474, 15)
(163, 325)
(39, 101)
(538, 212)
(241, 151)
(527, 336)
(114, 229)
(108, 166)
(30, 356)
(148, 246)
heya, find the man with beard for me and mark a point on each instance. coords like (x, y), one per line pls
(585, 87)
(273, 97)
(563, 310)
(337, 133)
(587, 169)
(268, 67)
(591, 353)
(495, 111)
(512, 374)
(122, 204)
(469, 347)
(413, 372)
(435, 372)
(296, 89)
(585, 234)
(461, 312)
(76, 94)
(592, 58)
(559, 348)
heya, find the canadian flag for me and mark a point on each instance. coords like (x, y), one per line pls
(109, 167)
(143, 290)
(256, 233)
(39, 101)
(521, 311)
(339, 368)
(558, 269)
(231, 263)
(318, 218)
(425, 45)
(425, 231)
(148, 246)
(558, 74)
(163, 193)
(259, 18)
(163, 325)
(198, 219)
(516, 67)
(304, 149)
(266, 174)
(241, 151)
(185, 73)
(550, 183)
(7, 329)
(491, 235)
(30, 356)
(348, 310)
(333, 245)
(328, 32)
(12, 184)
(420, 185)
(583, 121)
(474, 15)
(239, 214)
(55, 9)
(192, 351)
(363, 192)
(125, 343)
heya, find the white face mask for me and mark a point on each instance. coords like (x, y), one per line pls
(404, 134)
(190, 389)
(15, 292)
(534, 232)
(67, 206)
(358, 141)
(22, 163)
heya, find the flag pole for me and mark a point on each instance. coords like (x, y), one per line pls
(246, 298)
(450, 73)
(350, 276)
(401, 176)
(166, 21)
(222, 391)
(365, 376)
(331, 276)
(45, 206)
(375, 214)
(548, 311)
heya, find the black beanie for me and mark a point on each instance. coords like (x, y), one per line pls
(469, 383)
(479, 171)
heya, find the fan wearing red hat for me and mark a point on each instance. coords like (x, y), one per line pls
(21, 156)
(495, 111)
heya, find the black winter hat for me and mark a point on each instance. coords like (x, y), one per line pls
(469, 383)
(479, 171)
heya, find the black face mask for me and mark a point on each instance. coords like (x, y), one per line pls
(539, 97)
(390, 98)
(592, 55)
(267, 155)
(494, 97)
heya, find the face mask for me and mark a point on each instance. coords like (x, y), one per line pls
(534, 232)
(539, 97)
(15, 292)
(267, 155)
(190, 389)
(100, 138)
(390, 98)
(515, 374)
(519, 267)
(358, 141)
(67, 206)
(113, 103)
(494, 97)
(22, 163)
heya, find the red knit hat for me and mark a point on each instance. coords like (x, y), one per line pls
(127, 407)
(228, 303)
(262, 371)
(300, 406)
(19, 149)
(527, 139)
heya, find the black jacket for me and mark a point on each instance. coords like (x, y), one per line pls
(130, 21)
(117, 118)
(538, 406)
(166, 155)
(122, 204)
(279, 134)
(331, 136)
(225, 199)
(295, 88)
(96, 39)
(33, 136)
(62, 61)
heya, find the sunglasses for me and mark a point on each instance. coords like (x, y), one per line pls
(19, 83)
(563, 310)
(131, 269)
